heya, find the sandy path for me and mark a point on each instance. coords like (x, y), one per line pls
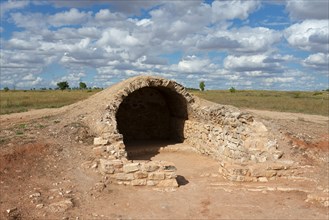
(290, 116)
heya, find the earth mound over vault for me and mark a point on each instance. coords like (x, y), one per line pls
(144, 108)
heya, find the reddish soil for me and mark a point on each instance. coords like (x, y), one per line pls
(45, 158)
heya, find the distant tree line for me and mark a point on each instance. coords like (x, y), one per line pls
(64, 85)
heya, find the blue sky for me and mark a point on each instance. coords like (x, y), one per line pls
(277, 45)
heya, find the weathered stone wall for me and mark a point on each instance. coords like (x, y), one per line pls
(139, 173)
(225, 133)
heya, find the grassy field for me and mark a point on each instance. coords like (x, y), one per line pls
(303, 102)
(20, 101)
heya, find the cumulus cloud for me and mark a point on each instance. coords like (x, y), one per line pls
(254, 64)
(309, 35)
(242, 40)
(306, 9)
(71, 17)
(318, 61)
(12, 5)
(223, 10)
(192, 64)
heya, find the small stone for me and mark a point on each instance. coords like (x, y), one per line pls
(11, 210)
(140, 175)
(169, 168)
(262, 179)
(39, 206)
(139, 182)
(94, 166)
(150, 167)
(151, 183)
(106, 166)
(277, 155)
(61, 206)
(156, 176)
(124, 176)
(37, 194)
(98, 150)
(130, 168)
(100, 141)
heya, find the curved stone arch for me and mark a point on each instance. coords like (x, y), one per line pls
(110, 133)
(176, 101)
(140, 82)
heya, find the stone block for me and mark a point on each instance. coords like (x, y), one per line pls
(106, 166)
(100, 141)
(131, 167)
(168, 183)
(140, 175)
(124, 176)
(150, 167)
(98, 150)
(139, 182)
(262, 179)
(156, 176)
(170, 175)
(152, 182)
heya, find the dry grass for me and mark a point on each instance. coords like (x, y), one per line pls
(303, 102)
(20, 101)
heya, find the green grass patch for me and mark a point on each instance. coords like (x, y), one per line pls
(21, 101)
(292, 101)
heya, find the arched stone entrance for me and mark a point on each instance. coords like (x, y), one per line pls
(151, 117)
(152, 108)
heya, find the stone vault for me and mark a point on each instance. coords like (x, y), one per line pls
(147, 108)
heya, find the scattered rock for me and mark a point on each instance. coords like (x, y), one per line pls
(39, 206)
(100, 141)
(61, 206)
(262, 179)
(37, 194)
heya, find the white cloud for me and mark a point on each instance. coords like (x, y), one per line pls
(223, 10)
(192, 64)
(308, 9)
(12, 5)
(71, 17)
(254, 65)
(318, 61)
(36, 21)
(19, 44)
(309, 35)
(105, 15)
(243, 40)
(279, 79)
(116, 38)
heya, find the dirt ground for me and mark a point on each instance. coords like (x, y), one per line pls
(47, 171)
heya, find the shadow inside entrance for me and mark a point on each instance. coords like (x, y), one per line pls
(145, 149)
